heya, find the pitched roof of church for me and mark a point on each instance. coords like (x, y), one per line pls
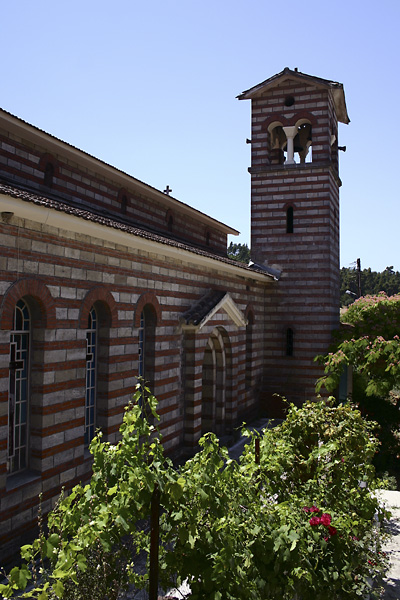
(87, 215)
(17, 125)
(335, 86)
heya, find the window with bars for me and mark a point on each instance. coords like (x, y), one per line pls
(18, 392)
(146, 345)
(141, 349)
(91, 376)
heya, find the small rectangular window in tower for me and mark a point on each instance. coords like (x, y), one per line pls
(289, 342)
(289, 220)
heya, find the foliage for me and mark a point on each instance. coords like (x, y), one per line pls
(239, 252)
(372, 283)
(298, 523)
(94, 535)
(370, 344)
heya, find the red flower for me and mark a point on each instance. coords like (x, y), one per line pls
(314, 509)
(306, 509)
(315, 520)
(332, 530)
(326, 519)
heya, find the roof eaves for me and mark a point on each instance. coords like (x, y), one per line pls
(21, 123)
(275, 273)
(335, 86)
(129, 229)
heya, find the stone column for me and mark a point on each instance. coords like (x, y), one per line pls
(290, 133)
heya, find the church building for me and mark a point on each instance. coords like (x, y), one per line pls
(104, 278)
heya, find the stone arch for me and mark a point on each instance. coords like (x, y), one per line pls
(271, 122)
(41, 303)
(105, 303)
(147, 298)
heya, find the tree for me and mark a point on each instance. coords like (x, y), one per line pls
(369, 343)
(288, 521)
(239, 252)
(372, 282)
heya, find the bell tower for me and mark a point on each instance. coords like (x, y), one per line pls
(295, 222)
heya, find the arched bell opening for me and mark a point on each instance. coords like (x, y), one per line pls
(298, 141)
(303, 141)
(286, 142)
(277, 143)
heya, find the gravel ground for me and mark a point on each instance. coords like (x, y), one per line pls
(392, 546)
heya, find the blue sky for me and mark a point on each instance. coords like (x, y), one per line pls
(151, 87)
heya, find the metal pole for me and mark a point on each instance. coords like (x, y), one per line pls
(359, 276)
(154, 543)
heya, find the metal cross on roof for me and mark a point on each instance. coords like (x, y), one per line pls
(167, 190)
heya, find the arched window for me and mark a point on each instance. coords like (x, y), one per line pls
(289, 220)
(146, 347)
(170, 223)
(208, 238)
(91, 376)
(18, 393)
(142, 333)
(124, 204)
(48, 175)
(249, 350)
(289, 342)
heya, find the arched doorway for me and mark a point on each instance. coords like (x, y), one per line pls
(215, 380)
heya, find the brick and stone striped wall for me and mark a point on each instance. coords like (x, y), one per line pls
(24, 163)
(62, 274)
(307, 297)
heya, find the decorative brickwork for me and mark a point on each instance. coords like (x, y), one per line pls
(295, 224)
(147, 298)
(102, 295)
(85, 236)
(37, 290)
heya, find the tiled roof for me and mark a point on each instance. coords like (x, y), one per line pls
(160, 194)
(198, 311)
(27, 196)
(299, 74)
(335, 86)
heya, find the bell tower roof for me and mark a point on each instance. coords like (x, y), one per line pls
(287, 74)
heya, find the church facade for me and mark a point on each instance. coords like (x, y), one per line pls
(104, 278)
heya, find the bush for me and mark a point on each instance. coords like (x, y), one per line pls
(370, 345)
(298, 524)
